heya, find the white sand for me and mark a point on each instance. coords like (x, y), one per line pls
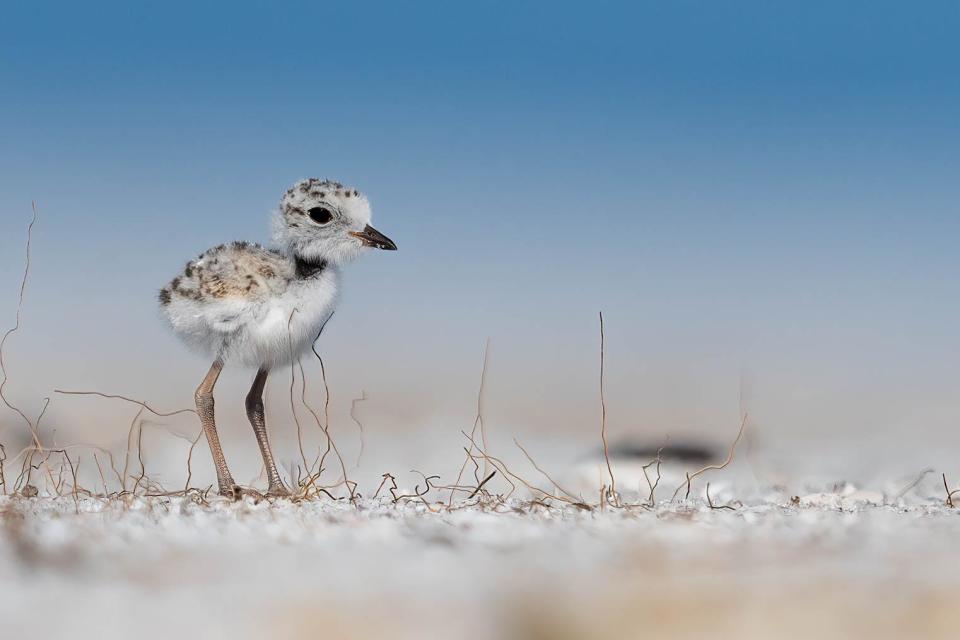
(851, 563)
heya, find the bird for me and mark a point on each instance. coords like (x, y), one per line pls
(245, 304)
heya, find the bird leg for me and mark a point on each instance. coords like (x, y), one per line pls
(204, 399)
(258, 421)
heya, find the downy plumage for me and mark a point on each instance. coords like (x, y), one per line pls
(245, 304)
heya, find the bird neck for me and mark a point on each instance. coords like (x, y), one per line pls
(308, 267)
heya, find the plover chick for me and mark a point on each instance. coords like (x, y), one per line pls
(241, 303)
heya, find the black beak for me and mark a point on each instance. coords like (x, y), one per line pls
(370, 237)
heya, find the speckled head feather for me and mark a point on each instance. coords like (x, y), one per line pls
(315, 219)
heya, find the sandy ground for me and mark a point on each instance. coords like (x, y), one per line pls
(849, 563)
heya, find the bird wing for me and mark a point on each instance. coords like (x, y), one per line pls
(224, 282)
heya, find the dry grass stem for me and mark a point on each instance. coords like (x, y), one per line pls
(110, 396)
(193, 445)
(296, 419)
(946, 488)
(716, 507)
(386, 477)
(481, 395)
(3, 472)
(143, 466)
(477, 423)
(483, 482)
(126, 456)
(356, 421)
(545, 474)
(34, 429)
(501, 466)
(331, 443)
(16, 325)
(324, 426)
(293, 380)
(612, 496)
(713, 467)
(907, 489)
(103, 480)
(651, 501)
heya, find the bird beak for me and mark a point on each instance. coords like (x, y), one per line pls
(370, 237)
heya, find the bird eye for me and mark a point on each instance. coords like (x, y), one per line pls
(321, 215)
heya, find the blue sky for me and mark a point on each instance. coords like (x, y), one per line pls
(759, 186)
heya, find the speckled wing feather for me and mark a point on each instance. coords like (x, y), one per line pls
(239, 270)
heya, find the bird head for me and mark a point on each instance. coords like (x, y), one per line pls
(323, 220)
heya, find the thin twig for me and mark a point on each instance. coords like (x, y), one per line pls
(480, 398)
(126, 457)
(103, 450)
(159, 414)
(16, 326)
(603, 422)
(480, 486)
(293, 379)
(909, 487)
(477, 422)
(713, 467)
(143, 467)
(717, 507)
(3, 472)
(186, 486)
(34, 429)
(325, 424)
(501, 466)
(545, 474)
(416, 489)
(386, 477)
(356, 420)
(331, 444)
(946, 487)
(653, 485)
(326, 390)
(472, 457)
(106, 491)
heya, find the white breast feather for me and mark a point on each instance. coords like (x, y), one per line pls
(267, 332)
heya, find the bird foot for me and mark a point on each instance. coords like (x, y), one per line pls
(278, 491)
(235, 492)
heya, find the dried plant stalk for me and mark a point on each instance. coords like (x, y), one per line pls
(714, 467)
(946, 488)
(477, 423)
(612, 496)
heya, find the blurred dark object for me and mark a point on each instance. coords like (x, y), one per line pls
(690, 452)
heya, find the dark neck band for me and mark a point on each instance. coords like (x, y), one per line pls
(309, 268)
